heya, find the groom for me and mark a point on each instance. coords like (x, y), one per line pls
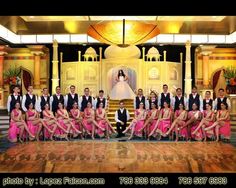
(121, 118)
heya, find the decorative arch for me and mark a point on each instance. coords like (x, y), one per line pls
(26, 79)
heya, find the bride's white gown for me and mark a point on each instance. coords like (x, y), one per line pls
(122, 90)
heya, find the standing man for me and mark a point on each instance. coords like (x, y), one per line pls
(221, 99)
(13, 99)
(100, 99)
(207, 100)
(43, 100)
(121, 118)
(179, 99)
(55, 99)
(165, 96)
(83, 100)
(29, 98)
(70, 98)
(194, 97)
(140, 99)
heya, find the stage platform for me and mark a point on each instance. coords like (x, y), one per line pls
(114, 156)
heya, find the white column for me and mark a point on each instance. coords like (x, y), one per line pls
(188, 74)
(55, 78)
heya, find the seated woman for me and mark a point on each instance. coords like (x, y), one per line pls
(164, 122)
(89, 121)
(77, 120)
(137, 125)
(17, 125)
(152, 120)
(34, 122)
(103, 122)
(208, 120)
(51, 122)
(64, 120)
(180, 117)
(194, 119)
(222, 124)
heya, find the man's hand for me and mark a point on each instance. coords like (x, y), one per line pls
(122, 123)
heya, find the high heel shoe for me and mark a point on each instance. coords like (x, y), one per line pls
(20, 140)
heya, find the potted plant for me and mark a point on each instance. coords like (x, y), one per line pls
(230, 76)
(12, 76)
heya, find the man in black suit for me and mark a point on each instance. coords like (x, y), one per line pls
(121, 118)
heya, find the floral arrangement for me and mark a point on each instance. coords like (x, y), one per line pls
(12, 76)
(230, 75)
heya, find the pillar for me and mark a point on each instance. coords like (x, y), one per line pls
(205, 68)
(143, 53)
(164, 52)
(37, 59)
(61, 57)
(232, 98)
(100, 67)
(55, 78)
(181, 57)
(188, 74)
(3, 52)
(79, 56)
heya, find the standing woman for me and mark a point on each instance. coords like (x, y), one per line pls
(103, 122)
(164, 121)
(137, 125)
(222, 124)
(65, 121)
(89, 120)
(152, 120)
(77, 119)
(17, 125)
(180, 117)
(51, 122)
(207, 121)
(34, 122)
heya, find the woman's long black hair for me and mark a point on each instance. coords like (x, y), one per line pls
(121, 74)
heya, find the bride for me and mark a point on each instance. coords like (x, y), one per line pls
(122, 89)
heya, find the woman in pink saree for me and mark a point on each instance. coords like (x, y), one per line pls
(103, 122)
(222, 124)
(180, 117)
(89, 121)
(194, 119)
(207, 121)
(51, 122)
(137, 125)
(17, 125)
(34, 122)
(77, 120)
(152, 120)
(164, 122)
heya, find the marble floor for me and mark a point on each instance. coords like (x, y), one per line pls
(100, 156)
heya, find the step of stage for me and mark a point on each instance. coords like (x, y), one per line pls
(4, 123)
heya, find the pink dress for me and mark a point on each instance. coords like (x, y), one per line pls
(46, 133)
(198, 135)
(211, 132)
(76, 124)
(32, 128)
(60, 120)
(182, 132)
(102, 123)
(154, 121)
(88, 126)
(225, 130)
(140, 123)
(13, 130)
(164, 124)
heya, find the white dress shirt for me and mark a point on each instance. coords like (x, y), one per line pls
(96, 100)
(116, 115)
(38, 106)
(9, 101)
(80, 102)
(179, 97)
(140, 98)
(221, 98)
(159, 99)
(51, 99)
(24, 99)
(200, 99)
(66, 98)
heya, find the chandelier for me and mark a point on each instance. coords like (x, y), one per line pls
(123, 33)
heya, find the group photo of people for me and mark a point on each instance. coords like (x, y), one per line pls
(162, 116)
